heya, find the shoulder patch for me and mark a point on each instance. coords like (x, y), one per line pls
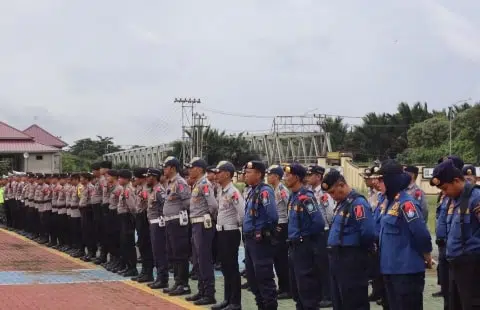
(359, 211)
(409, 211)
(265, 198)
(126, 194)
(206, 189)
(418, 194)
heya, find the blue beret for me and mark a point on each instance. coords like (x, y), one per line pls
(457, 161)
(225, 166)
(411, 169)
(469, 170)
(125, 174)
(112, 173)
(332, 177)
(315, 169)
(296, 169)
(445, 172)
(257, 165)
(275, 169)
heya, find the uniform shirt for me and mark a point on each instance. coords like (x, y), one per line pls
(26, 190)
(245, 192)
(419, 195)
(260, 209)
(97, 194)
(13, 190)
(8, 188)
(141, 193)
(105, 189)
(31, 194)
(86, 195)
(378, 212)
(177, 196)
(60, 195)
(37, 196)
(359, 226)
(470, 237)
(404, 237)
(155, 202)
(127, 200)
(68, 194)
(327, 205)
(231, 206)
(441, 218)
(74, 201)
(281, 198)
(115, 197)
(203, 200)
(19, 191)
(304, 215)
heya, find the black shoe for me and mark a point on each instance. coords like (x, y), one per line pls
(220, 306)
(325, 304)
(245, 285)
(131, 272)
(374, 297)
(118, 267)
(100, 260)
(233, 307)
(145, 278)
(170, 289)
(123, 270)
(283, 295)
(158, 285)
(437, 294)
(51, 244)
(206, 300)
(195, 297)
(180, 291)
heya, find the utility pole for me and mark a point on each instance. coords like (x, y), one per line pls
(198, 138)
(188, 106)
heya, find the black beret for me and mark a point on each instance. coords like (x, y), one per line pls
(75, 175)
(457, 161)
(86, 175)
(411, 169)
(296, 169)
(154, 172)
(40, 176)
(48, 175)
(469, 170)
(55, 175)
(390, 167)
(106, 164)
(445, 172)
(140, 172)
(124, 174)
(96, 166)
(257, 165)
(315, 169)
(332, 177)
(112, 173)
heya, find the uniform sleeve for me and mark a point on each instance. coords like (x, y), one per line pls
(208, 192)
(329, 208)
(130, 199)
(239, 204)
(418, 228)
(159, 200)
(423, 205)
(475, 203)
(311, 206)
(83, 194)
(267, 197)
(362, 212)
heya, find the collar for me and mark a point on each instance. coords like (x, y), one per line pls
(228, 187)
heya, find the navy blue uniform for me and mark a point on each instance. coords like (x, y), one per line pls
(305, 230)
(441, 234)
(404, 239)
(260, 220)
(352, 235)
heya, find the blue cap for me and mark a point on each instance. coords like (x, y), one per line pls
(469, 170)
(153, 172)
(197, 162)
(315, 169)
(296, 169)
(225, 166)
(457, 161)
(411, 169)
(171, 161)
(275, 169)
(140, 172)
(445, 172)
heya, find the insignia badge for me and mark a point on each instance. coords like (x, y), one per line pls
(409, 211)
(325, 186)
(359, 212)
(249, 165)
(469, 172)
(235, 198)
(435, 181)
(310, 208)
(265, 199)
(206, 190)
(125, 194)
(288, 169)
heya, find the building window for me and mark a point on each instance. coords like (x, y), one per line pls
(39, 157)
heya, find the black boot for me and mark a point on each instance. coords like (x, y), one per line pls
(220, 306)
(146, 277)
(159, 283)
(171, 289)
(195, 297)
(142, 272)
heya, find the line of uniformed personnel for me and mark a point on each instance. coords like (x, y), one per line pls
(321, 252)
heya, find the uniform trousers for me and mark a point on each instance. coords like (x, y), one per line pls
(405, 291)
(202, 242)
(88, 229)
(97, 222)
(144, 243)
(29, 219)
(45, 218)
(76, 232)
(378, 287)
(54, 225)
(21, 215)
(259, 253)
(464, 285)
(229, 241)
(159, 248)
(303, 275)
(323, 267)
(178, 250)
(36, 222)
(280, 259)
(443, 274)
(14, 212)
(104, 233)
(8, 212)
(113, 237)
(62, 232)
(127, 240)
(349, 277)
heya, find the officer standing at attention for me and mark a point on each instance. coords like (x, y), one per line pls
(155, 202)
(415, 191)
(203, 211)
(96, 201)
(306, 227)
(327, 205)
(441, 235)
(103, 234)
(177, 225)
(351, 238)
(280, 261)
(259, 223)
(230, 216)
(86, 211)
(143, 226)
(405, 243)
(76, 218)
(470, 174)
(211, 177)
(463, 241)
(115, 192)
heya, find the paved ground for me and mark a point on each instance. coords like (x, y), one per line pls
(36, 277)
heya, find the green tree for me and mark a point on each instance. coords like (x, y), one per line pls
(337, 131)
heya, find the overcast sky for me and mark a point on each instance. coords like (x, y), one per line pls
(113, 67)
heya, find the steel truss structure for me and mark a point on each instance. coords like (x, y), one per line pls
(150, 156)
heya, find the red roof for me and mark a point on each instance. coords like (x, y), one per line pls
(42, 136)
(7, 132)
(22, 146)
